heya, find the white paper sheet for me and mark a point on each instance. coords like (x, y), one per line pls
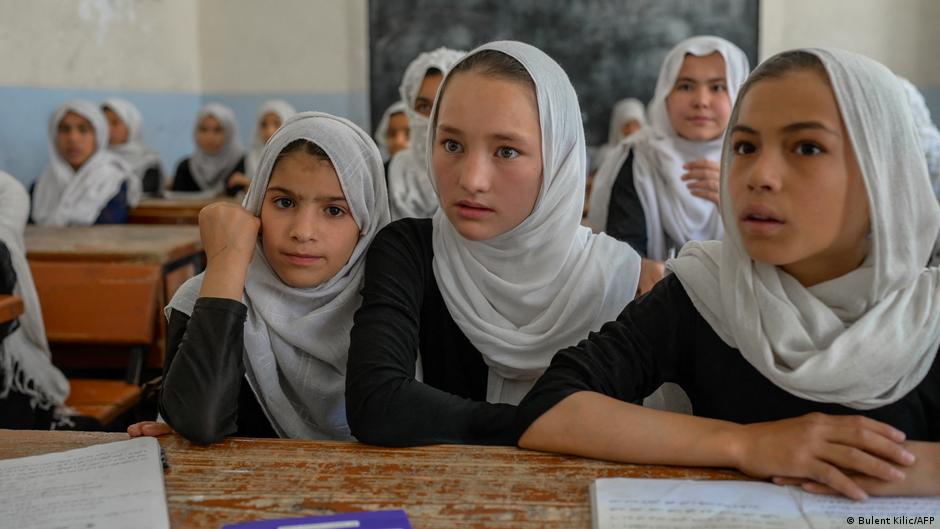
(112, 485)
(622, 503)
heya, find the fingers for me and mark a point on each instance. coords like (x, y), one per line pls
(817, 488)
(148, 428)
(702, 164)
(876, 438)
(134, 430)
(836, 480)
(853, 459)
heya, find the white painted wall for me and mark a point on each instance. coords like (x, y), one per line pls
(100, 44)
(256, 46)
(902, 34)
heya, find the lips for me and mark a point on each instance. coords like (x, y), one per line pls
(473, 210)
(761, 220)
(302, 259)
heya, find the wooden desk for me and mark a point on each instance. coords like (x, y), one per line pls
(11, 307)
(107, 285)
(172, 211)
(444, 486)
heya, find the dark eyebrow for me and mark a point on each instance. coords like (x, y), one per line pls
(447, 128)
(278, 189)
(331, 199)
(706, 81)
(792, 127)
(501, 136)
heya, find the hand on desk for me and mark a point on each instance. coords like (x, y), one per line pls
(703, 179)
(842, 453)
(149, 429)
(922, 478)
(229, 233)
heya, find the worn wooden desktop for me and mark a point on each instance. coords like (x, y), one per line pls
(107, 285)
(10, 307)
(172, 210)
(443, 486)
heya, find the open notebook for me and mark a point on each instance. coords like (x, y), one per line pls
(106, 486)
(621, 503)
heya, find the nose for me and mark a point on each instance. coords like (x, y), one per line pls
(476, 176)
(305, 225)
(765, 172)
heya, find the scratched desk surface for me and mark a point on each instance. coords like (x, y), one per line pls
(151, 244)
(444, 486)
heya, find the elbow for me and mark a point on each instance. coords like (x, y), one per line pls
(191, 422)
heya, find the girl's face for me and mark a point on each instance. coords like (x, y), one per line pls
(424, 101)
(698, 106)
(117, 129)
(75, 139)
(487, 154)
(268, 125)
(396, 136)
(796, 189)
(630, 127)
(210, 136)
(307, 230)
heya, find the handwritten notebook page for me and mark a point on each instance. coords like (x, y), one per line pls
(112, 485)
(621, 503)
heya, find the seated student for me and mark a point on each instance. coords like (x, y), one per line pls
(461, 313)
(84, 183)
(126, 141)
(31, 388)
(927, 131)
(256, 345)
(391, 135)
(659, 189)
(218, 153)
(816, 302)
(271, 115)
(627, 117)
(410, 193)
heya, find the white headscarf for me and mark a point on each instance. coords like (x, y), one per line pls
(136, 154)
(673, 214)
(66, 197)
(382, 129)
(543, 285)
(283, 110)
(210, 171)
(865, 339)
(929, 135)
(624, 111)
(24, 354)
(297, 340)
(410, 192)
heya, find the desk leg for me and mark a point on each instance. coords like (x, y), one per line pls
(135, 364)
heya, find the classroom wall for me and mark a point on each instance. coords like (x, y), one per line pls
(902, 34)
(169, 57)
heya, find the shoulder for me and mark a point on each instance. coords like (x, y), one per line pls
(409, 231)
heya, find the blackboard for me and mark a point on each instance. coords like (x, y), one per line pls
(610, 49)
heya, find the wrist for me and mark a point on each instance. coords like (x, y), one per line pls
(223, 280)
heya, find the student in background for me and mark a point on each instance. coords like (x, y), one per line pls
(257, 344)
(271, 115)
(659, 189)
(462, 312)
(807, 339)
(627, 117)
(84, 183)
(218, 153)
(391, 135)
(125, 140)
(31, 388)
(927, 131)
(410, 192)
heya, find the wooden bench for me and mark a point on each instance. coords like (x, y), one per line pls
(102, 400)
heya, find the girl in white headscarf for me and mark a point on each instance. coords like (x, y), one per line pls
(817, 300)
(927, 130)
(218, 153)
(84, 183)
(627, 117)
(257, 344)
(30, 386)
(462, 312)
(391, 134)
(666, 195)
(409, 189)
(270, 116)
(125, 140)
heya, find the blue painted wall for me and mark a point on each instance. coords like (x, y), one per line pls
(167, 117)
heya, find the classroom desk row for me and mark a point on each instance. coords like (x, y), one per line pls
(10, 308)
(440, 486)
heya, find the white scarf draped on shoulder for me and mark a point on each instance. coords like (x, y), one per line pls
(410, 193)
(25, 360)
(673, 214)
(67, 197)
(544, 285)
(867, 338)
(297, 339)
(138, 156)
